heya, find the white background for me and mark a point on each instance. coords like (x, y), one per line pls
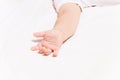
(93, 53)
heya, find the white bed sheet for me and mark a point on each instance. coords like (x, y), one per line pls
(93, 53)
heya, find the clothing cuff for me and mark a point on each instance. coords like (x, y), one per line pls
(58, 4)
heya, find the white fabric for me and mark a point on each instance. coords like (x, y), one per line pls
(92, 54)
(85, 3)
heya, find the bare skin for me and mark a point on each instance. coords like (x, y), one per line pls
(65, 27)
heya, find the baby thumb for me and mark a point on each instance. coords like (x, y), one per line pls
(39, 34)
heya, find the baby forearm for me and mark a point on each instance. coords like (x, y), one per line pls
(68, 18)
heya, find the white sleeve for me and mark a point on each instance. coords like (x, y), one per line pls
(58, 3)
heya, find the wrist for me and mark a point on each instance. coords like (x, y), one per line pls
(63, 34)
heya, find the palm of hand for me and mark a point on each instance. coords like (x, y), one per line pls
(51, 42)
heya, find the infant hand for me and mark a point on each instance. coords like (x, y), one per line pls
(51, 42)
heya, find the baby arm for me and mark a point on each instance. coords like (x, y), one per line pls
(68, 18)
(65, 26)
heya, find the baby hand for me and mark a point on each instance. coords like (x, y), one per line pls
(51, 42)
